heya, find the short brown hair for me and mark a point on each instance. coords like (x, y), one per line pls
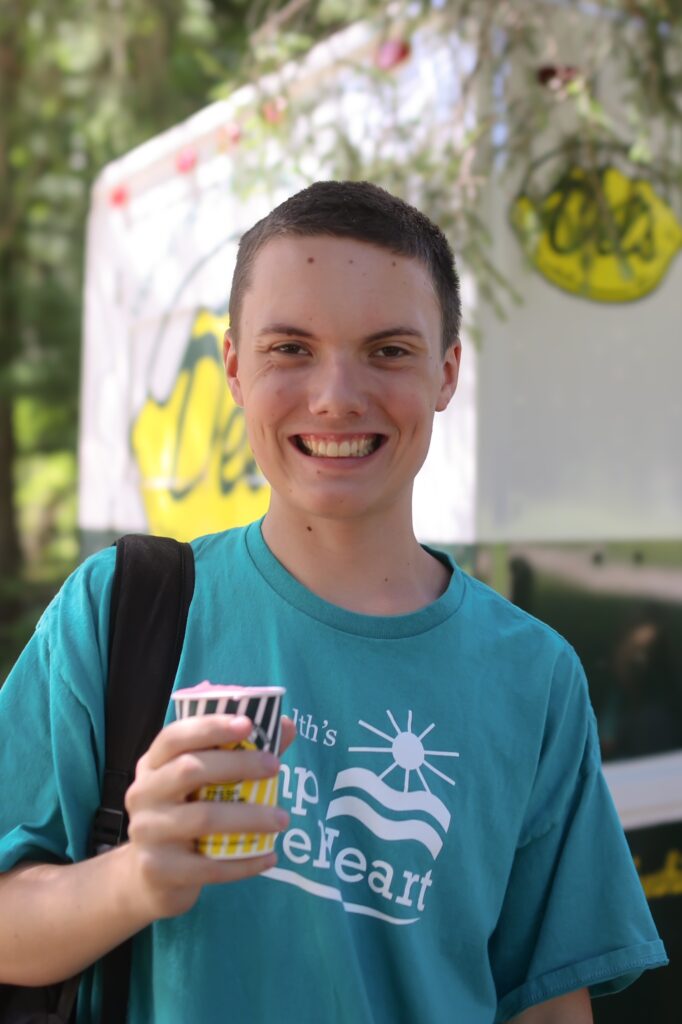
(367, 213)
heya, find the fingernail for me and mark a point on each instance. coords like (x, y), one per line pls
(282, 818)
(239, 721)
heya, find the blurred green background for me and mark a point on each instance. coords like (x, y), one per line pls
(81, 83)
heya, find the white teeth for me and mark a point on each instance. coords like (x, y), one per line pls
(357, 448)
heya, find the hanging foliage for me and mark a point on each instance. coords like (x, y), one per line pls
(584, 97)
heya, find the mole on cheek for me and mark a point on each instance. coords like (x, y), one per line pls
(311, 259)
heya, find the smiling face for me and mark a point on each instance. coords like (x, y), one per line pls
(339, 369)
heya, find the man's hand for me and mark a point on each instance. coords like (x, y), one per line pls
(58, 918)
(167, 872)
(574, 1008)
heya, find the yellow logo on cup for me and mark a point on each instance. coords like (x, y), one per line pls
(254, 791)
(601, 235)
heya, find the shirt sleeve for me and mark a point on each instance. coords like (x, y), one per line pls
(574, 914)
(52, 725)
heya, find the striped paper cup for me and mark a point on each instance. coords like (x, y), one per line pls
(263, 705)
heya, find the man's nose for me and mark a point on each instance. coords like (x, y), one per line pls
(337, 388)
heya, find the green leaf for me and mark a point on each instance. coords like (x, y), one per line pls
(19, 156)
(640, 151)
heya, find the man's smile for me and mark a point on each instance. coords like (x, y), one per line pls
(338, 446)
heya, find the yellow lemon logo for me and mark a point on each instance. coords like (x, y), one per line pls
(606, 236)
(197, 469)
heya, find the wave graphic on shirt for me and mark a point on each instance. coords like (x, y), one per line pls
(330, 892)
(395, 820)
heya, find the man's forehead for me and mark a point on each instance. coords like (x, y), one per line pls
(311, 261)
(309, 248)
(339, 287)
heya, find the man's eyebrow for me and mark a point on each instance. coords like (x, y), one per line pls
(394, 332)
(289, 330)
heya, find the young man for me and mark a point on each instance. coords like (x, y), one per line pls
(449, 851)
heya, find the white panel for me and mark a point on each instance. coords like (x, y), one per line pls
(647, 790)
(580, 418)
(445, 488)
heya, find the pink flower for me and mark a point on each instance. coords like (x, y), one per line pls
(391, 53)
(186, 159)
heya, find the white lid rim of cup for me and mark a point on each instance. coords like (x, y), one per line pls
(218, 691)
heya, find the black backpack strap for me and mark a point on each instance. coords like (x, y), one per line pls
(151, 593)
(152, 590)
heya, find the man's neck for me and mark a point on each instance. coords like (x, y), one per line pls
(374, 568)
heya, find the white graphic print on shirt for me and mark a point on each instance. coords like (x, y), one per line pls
(376, 858)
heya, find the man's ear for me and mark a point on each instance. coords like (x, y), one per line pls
(450, 375)
(231, 361)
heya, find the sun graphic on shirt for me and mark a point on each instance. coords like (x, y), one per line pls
(407, 751)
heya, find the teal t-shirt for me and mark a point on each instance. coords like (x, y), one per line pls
(453, 852)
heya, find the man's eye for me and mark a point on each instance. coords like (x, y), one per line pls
(290, 348)
(391, 351)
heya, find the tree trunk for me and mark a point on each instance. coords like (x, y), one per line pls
(10, 552)
(10, 75)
